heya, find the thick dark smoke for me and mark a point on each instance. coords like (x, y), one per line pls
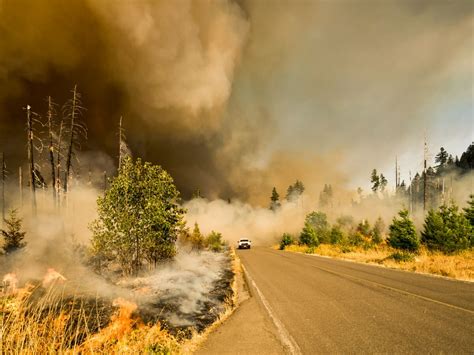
(233, 97)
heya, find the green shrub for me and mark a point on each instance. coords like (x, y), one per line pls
(402, 256)
(355, 238)
(377, 231)
(214, 241)
(286, 239)
(402, 233)
(336, 235)
(308, 236)
(447, 230)
(364, 228)
(320, 224)
(310, 250)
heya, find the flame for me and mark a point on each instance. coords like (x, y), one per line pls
(52, 276)
(121, 324)
(10, 282)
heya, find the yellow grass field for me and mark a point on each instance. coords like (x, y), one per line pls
(459, 266)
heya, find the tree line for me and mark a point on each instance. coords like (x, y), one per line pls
(446, 229)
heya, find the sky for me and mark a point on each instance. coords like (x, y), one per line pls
(235, 97)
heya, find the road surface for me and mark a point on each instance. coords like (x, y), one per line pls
(322, 305)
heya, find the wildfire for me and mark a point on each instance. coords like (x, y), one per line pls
(52, 276)
(121, 324)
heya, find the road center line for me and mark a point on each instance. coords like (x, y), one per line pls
(286, 338)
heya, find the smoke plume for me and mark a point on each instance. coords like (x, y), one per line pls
(234, 97)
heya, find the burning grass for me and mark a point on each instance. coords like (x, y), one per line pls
(44, 316)
(459, 266)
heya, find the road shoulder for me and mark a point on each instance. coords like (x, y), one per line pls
(249, 330)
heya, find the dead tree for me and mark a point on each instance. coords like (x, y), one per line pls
(51, 114)
(20, 183)
(72, 111)
(31, 160)
(58, 162)
(3, 175)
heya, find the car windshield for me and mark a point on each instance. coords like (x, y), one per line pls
(244, 240)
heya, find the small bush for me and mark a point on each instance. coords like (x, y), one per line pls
(401, 256)
(310, 250)
(286, 239)
(377, 231)
(214, 242)
(402, 233)
(355, 238)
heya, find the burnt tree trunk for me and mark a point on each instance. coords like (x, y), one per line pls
(31, 161)
(71, 138)
(3, 187)
(51, 148)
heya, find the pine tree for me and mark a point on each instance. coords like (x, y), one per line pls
(442, 157)
(469, 210)
(197, 239)
(402, 233)
(275, 200)
(447, 230)
(383, 182)
(13, 236)
(375, 180)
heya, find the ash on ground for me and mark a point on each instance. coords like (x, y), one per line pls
(189, 292)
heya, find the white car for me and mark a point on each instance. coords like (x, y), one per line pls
(244, 244)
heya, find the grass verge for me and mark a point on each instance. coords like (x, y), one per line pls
(458, 266)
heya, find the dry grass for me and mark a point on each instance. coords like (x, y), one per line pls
(41, 319)
(52, 324)
(459, 266)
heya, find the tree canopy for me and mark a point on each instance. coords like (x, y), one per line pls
(139, 217)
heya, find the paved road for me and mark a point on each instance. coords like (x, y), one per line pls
(326, 305)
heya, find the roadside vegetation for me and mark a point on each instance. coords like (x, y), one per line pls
(114, 301)
(444, 246)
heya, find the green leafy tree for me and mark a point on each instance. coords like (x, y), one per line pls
(469, 210)
(286, 239)
(13, 235)
(309, 236)
(319, 221)
(447, 230)
(375, 180)
(275, 200)
(402, 233)
(138, 217)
